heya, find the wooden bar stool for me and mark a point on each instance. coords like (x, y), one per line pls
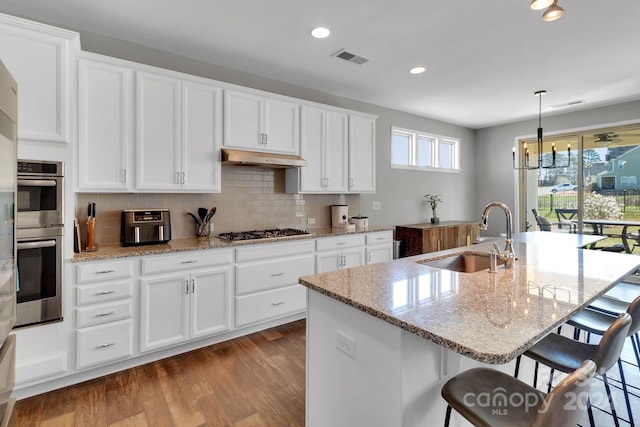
(512, 403)
(565, 355)
(595, 322)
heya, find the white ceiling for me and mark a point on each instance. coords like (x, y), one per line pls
(484, 59)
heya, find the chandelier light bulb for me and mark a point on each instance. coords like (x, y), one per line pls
(540, 4)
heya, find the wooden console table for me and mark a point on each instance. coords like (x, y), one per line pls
(424, 238)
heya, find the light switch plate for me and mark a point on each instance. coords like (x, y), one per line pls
(376, 206)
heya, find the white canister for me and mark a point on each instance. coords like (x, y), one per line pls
(361, 222)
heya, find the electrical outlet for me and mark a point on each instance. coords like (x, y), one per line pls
(311, 221)
(376, 206)
(300, 202)
(346, 344)
(299, 214)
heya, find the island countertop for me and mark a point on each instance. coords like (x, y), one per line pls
(488, 317)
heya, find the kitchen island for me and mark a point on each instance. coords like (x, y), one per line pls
(382, 339)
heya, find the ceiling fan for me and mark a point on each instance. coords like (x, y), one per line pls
(606, 138)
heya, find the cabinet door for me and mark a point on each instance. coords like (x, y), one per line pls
(353, 257)
(157, 132)
(312, 150)
(39, 58)
(201, 133)
(209, 305)
(104, 126)
(449, 237)
(335, 153)
(379, 253)
(243, 127)
(281, 126)
(431, 240)
(362, 154)
(328, 261)
(164, 306)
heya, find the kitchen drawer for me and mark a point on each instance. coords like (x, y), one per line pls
(379, 238)
(262, 251)
(186, 261)
(269, 305)
(103, 313)
(260, 276)
(90, 294)
(104, 343)
(100, 271)
(7, 368)
(337, 243)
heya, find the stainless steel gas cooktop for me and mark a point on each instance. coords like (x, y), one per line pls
(263, 234)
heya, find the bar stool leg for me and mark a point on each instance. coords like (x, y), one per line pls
(515, 374)
(447, 417)
(590, 413)
(626, 393)
(535, 376)
(550, 381)
(635, 341)
(576, 334)
(613, 407)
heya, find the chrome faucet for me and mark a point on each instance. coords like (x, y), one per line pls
(507, 256)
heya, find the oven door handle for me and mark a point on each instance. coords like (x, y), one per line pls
(37, 245)
(37, 182)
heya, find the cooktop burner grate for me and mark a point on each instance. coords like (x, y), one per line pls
(263, 234)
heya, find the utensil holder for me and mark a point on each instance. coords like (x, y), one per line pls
(203, 232)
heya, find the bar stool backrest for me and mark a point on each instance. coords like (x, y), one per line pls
(634, 311)
(567, 401)
(612, 342)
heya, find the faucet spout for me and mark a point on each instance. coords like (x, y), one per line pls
(508, 255)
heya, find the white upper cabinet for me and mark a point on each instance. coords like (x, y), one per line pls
(339, 148)
(40, 58)
(105, 127)
(323, 145)
(258, 123)
(362, 154)
(177, 134)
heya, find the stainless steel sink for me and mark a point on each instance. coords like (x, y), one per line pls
(466, 262)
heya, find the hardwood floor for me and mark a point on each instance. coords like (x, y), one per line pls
(253, 381)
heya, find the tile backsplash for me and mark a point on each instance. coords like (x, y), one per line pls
(251, 198)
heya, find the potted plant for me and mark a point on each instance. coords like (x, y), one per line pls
(433, 200)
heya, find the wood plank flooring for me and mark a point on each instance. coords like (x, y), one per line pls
(253, 381)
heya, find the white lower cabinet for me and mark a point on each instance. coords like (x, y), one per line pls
(178, 307)
(104, 312)
(267, 280)
(337, 253)
(379, 247)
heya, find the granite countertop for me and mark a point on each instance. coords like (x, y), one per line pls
(488, 317)
(116, 250)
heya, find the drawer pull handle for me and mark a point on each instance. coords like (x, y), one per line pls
(190, 261)
(341, 243)
(105, 292)
(277, 274)
(277, 303)
(105, 271)
(109, 344)
(105, 314)
(380, 238)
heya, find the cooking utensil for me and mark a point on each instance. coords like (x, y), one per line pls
(202, 212)
(195, 218)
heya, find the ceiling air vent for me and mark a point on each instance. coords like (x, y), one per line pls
(350, 57)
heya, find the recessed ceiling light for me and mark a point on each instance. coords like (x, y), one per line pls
(417, 70)
(320, 32)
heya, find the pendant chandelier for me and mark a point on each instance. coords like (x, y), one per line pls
(540, 165)
(553, 11)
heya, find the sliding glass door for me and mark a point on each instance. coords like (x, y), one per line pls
(599, 184)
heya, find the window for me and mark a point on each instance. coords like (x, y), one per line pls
(412, 149)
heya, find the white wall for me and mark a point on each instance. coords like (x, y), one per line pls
(495, 174)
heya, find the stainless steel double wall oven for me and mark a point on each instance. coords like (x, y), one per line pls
(40, 227)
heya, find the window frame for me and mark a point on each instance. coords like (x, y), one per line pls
(436, 142)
